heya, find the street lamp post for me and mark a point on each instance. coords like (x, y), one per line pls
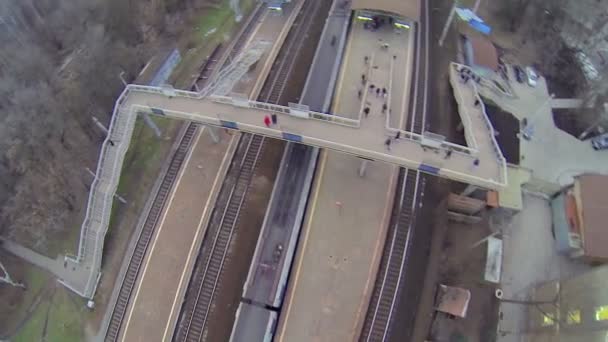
(448, 22)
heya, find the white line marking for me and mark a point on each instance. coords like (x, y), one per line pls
(198, 231)
(160, 228)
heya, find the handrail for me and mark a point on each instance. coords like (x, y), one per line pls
(495, 147)
(116, 143)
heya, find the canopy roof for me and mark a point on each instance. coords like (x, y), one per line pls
(409, 9)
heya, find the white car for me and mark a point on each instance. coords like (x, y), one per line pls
(532, 76)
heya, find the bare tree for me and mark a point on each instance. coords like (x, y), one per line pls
(6, 278)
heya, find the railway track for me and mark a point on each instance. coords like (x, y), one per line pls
(376, 327)
(145, 236)
(244, 35)
(289, 52)
(206, 278)
(390, 274)
(143, 240)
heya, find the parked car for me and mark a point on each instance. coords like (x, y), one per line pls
(531, 76)
(600, 142)
(519, 73)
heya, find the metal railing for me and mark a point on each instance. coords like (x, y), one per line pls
(101, 196)
(490, 129)
(115, 145)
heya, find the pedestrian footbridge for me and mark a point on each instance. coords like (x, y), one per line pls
(479, 163)
(364, 137)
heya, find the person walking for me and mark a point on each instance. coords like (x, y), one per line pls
(388, 144)
(267, 120)
(366, 111)
(448, 154)
(384, 108)
(378, 92)
(359, 94)
(363, 78)
(398, 135)
(366, 60)
(476, 163)
(476, 102)
(371, 87)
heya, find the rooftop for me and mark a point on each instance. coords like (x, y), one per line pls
(484, 52)
(406, 8)
(594, 205)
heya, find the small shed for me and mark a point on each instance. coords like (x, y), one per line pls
(453, 300)
(590, 193)
(579, 215)
(480, 54)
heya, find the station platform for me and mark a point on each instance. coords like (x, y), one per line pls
(276, 247)
(339, 253)
(345, 228)
(155, 298)
(155, 305)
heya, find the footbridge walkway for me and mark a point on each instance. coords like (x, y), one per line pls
(479, 163)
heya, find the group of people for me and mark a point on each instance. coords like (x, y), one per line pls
(270, 120)
(377, 22)
(467, 74)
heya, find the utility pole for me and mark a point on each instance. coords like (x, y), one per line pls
(237, 10)
(448, 22)
(100, 125)
(476, 7)
(122, 78)
(602, 117)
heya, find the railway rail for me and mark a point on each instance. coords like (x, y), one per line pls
(206, 278)
(391, 273)
(160, 197)
(287, 57)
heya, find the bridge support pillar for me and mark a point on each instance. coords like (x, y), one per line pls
(468, 190)
(363, 167)
(214, 133)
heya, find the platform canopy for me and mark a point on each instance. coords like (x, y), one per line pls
(409, 9)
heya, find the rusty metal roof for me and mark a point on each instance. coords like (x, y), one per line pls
(484, 52)
(594, 206)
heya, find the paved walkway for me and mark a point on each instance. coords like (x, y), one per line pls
(552, 155)
(529, 258)
(55, 266)
(344, 232)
